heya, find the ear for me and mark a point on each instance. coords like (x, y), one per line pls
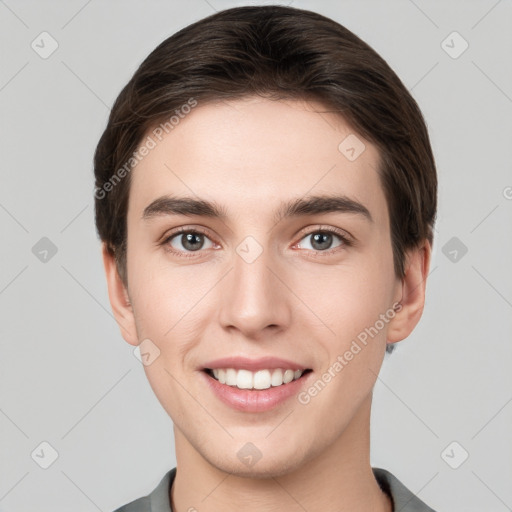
(119, 298)
(413, 293)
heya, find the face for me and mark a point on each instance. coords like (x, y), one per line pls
(262, 293)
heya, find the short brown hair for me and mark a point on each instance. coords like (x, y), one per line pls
(280, 53)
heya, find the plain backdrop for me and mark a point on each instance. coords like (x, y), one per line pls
(442, 404)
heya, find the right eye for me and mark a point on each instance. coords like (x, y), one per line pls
(185, 241)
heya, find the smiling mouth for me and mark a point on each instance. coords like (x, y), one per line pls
(261, 379)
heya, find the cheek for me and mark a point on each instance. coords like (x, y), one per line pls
(160, 293)
(356, 307)
(169, 305)
(349, 298)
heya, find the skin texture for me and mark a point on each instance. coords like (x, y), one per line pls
(294, 301)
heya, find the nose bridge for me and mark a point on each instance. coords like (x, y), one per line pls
(254, 298)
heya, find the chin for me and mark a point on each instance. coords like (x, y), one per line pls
(263, 468)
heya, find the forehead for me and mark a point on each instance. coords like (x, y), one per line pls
(250, 154)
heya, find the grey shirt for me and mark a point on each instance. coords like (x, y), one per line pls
(403, 499)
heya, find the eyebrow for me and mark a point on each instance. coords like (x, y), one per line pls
(311, 205)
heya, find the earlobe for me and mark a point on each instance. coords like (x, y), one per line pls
(119, 298)
(413, 293)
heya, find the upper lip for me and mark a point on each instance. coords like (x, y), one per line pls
(262, 363)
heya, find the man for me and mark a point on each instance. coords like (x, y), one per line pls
(266, 194)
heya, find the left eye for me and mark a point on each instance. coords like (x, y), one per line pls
(322, 240)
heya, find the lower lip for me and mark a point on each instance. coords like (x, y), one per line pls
(255, 400)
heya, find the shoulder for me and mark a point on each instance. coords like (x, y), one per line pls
(156, 501)
(138, 505)
(403, 499)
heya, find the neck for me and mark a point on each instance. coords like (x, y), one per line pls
(339, 478)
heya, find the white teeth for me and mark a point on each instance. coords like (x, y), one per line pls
(288, 376)
(277, 377)
(244, 379)
(262, 379)
(231, 377)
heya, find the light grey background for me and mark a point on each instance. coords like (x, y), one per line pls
(67, 376)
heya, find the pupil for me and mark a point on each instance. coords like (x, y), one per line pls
(318, 237)
(190, 244)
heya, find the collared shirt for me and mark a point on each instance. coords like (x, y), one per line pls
(403, 499)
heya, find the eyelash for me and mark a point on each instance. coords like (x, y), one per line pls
(347, 242)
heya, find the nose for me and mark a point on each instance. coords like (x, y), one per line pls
(254, 298)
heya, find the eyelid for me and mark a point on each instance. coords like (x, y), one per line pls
(186, 229)
(317, 228)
